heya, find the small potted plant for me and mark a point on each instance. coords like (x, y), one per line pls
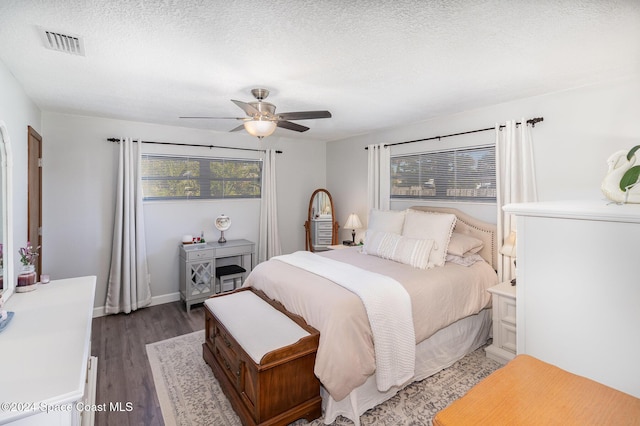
(622, 182)
(27, 277)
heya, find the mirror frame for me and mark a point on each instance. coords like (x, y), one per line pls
(308, 244)
(6, 157)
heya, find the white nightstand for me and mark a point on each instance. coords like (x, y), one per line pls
(503, 348)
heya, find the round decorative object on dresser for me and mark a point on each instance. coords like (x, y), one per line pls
(27, 279)
(222, 224)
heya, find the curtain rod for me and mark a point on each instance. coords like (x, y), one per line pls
(532, 121)
(191, 144)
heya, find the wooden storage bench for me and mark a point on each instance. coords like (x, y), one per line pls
(263, 357)
(528, 391)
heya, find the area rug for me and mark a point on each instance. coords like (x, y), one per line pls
(189, 394)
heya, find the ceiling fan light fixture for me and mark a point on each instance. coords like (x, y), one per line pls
(260, 128)
(261, 119)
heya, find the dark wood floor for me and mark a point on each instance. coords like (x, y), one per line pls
(124, 374)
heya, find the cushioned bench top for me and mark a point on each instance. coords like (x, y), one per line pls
(229, 270)
(256, 325)
(528, 391)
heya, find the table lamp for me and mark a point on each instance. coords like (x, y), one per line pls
(353, 222)
(509, 249)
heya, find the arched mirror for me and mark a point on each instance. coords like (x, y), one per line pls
(6, 250)
(321, 226)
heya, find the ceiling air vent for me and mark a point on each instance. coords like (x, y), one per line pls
(68, 43)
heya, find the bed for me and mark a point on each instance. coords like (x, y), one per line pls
(447, 304)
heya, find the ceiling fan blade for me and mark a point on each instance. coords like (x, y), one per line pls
(237, 129)
(217, 118)
(304, 115)
(248, 109)
(292, 126)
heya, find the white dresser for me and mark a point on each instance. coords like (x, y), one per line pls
(46, 375)
(578, 288)
(322, 233)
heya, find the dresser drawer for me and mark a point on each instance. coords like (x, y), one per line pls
(324, 233)
(233, 251)
(322, 226)
(222, 339)
(227, 354)
(204, 253)
(508, 340)
(507, 310)
(231, 368)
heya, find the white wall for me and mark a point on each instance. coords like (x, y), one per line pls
(79, 191)
(17, 112)
(581, 128)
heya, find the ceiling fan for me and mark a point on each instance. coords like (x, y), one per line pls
(262, 120)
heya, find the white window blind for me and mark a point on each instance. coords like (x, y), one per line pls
(176, 177)
(466, 174)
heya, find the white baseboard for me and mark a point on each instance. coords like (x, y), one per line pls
(165, 298)
(155, 300)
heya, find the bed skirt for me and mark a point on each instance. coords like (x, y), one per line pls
(432, 355)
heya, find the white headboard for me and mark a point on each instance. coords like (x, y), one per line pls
(467, 224)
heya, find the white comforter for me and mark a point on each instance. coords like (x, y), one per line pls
(388, 307)
(346, 356)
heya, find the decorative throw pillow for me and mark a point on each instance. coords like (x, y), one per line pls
(387, 245)
(381, 244)
(430, 226)
(414, 252)
(463, 245)
(386, 220)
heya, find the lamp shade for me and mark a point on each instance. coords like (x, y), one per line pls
(353, 222)
(509, 245)
(260, 128)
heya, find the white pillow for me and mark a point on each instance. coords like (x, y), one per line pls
(387, 245)
(414, 252)
(381, 244)
(386, 220)
(463, 245)
(430, 226)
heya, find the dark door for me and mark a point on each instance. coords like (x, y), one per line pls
(35, 194)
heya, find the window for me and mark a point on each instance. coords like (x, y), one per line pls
(175, 178)
(456, 175)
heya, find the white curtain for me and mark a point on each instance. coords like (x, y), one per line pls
(379, 177)
(515, 180)
(128, 286)
(269, 244)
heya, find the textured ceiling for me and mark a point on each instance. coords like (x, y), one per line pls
(373, 64)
